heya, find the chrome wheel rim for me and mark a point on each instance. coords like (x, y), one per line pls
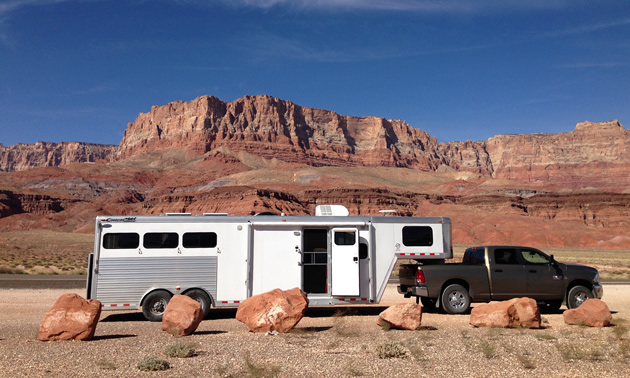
(457, 299)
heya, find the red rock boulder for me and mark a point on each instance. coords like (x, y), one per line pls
(593, 313)
(71, 318)
(401, 316)
(182, 316)
(275, 310)
(517, 312)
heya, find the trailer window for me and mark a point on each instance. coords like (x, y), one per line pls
(200, 240)
(160, 240)
(417, 236)
(125, 240)
(345, 238)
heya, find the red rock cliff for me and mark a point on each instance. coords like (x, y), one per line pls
(44, 154)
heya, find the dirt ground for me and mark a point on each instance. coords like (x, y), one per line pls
(337, 341)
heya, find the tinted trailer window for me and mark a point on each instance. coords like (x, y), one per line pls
(417, 236)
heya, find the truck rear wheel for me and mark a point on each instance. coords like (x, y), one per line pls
(154, 305)
(578, 295)
(455, 299)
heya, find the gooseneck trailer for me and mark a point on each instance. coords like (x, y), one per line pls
(220, 260)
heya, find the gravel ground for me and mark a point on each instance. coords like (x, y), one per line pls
(327, 342)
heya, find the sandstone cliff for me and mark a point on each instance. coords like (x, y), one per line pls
(44, 154)
(272, 128)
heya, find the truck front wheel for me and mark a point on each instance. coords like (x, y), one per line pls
(578, 295)
(455, 299)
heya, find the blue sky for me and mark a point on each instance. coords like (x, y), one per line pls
(80, 70)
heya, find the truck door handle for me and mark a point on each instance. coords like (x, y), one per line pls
(499, 270)
(533, 271)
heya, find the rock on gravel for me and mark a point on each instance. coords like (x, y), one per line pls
(338, 341)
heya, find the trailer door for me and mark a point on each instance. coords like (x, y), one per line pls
(345, 261)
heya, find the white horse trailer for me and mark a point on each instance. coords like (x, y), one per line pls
(219, 260)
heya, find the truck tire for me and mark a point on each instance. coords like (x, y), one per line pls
(455, 299)
(577, 295)
(154, 305)
(429, 304)
(203, 299)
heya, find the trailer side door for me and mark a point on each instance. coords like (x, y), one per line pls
(345, 261)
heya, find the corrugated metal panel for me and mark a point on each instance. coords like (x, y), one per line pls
(126, 280)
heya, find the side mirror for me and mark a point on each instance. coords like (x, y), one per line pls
(552, 260)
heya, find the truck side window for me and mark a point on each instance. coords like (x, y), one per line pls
(532, 256)
(417, 236)
(474, 256)
(505, 256)
(199, 240)
(122, 240)
(160, 240)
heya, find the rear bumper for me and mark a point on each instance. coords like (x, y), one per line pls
(415, 291)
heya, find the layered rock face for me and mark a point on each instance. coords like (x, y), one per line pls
(593, 155)
(43, 154)
(273, 128)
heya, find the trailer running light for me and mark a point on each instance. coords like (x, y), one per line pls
(420, 277)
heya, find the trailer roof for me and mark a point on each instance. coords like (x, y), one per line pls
(265, 219)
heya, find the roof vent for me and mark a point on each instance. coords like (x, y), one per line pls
(331, 210)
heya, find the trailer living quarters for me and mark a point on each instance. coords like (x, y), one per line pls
(141, 261)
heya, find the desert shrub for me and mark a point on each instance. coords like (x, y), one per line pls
(254, 370)
(151, 363)
(180, 350)
(489, 350)
(8, 270)
(391, 350)
(106, 365)
(385, 325)
(545, 336)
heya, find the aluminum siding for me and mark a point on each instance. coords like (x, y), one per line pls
(126, 280)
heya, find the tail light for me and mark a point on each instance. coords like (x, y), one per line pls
(420, 277)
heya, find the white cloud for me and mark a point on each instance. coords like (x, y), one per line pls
(425, 6)
(584, 29)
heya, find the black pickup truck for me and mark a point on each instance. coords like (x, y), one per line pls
(490, 273)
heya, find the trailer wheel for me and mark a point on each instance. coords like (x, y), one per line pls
(577, 295)
(203, 299)
(154, 305)
(455, 299)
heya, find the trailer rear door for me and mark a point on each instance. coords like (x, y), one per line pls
(345, 261)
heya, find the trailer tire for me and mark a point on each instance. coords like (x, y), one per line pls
(154, 305)
(203, 299)
(577, 295)
(455, 299)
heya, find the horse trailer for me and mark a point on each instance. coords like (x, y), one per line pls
(221, 260)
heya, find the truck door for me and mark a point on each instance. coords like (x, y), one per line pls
(508, 275)
(345, 261)
(544, 281)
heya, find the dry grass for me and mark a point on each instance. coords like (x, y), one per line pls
(44, 252)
